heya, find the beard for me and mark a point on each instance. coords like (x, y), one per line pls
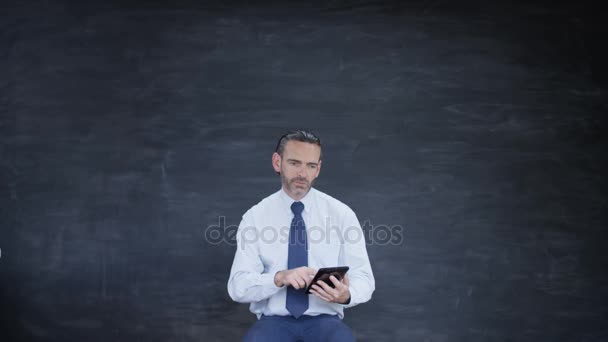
(291, 185)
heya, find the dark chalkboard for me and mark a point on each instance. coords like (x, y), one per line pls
(474, 131)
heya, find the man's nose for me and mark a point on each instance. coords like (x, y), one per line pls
(302, 172)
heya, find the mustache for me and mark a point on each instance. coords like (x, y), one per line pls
(299, 180)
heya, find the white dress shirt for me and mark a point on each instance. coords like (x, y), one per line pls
(334, 238)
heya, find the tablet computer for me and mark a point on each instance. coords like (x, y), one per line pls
(324, 274)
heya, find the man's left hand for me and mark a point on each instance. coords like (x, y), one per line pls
(339, 294)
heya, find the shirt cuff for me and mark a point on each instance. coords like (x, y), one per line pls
(350, 302)
(267, 279)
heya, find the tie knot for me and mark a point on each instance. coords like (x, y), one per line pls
(297, 207)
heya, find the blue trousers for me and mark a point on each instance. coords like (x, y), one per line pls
(322, 328)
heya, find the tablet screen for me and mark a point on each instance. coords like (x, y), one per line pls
(324, 274)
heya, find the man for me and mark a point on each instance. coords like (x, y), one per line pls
(284, 239)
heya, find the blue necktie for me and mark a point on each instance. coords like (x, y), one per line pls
(297, 300)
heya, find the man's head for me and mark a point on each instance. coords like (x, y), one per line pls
(298, 160)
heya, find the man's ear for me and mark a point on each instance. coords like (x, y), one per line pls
(276, 162)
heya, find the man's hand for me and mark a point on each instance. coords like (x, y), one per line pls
(298, 278)
(339, 294)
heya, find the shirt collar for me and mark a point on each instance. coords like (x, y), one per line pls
(288, 201)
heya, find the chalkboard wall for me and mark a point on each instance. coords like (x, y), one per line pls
(473, 133)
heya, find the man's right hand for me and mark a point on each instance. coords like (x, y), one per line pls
(298, 278)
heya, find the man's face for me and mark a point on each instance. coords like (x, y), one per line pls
(299, 167)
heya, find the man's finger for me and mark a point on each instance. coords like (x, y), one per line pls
(326, 287)
(306, 273)
(297, 281)
(336, 282)
(320, 293)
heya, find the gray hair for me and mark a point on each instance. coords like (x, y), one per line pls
(298, 135)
